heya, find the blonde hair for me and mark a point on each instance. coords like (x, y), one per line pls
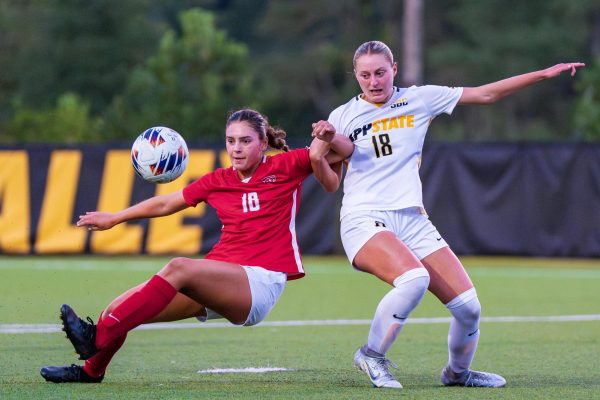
(373, 47)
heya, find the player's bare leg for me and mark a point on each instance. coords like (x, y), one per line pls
(220, 286)
(451, 284)
(224, 286)
(386, 257)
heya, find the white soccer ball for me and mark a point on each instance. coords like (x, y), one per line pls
(159, 155)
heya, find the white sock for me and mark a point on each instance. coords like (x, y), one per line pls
(464, 330)
(395, 307)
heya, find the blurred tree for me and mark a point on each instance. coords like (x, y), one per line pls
(300, 54)
(587, 113)
(306, 63)
(472, 42)
(307, 56)
(86, 47)
(189, 85)
(11, 40)
(240, 18)
(68, 122)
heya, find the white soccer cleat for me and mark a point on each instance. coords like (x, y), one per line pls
(377, 370)
(470, 378)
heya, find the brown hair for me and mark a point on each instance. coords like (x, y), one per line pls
(260, 124)
(373, 47)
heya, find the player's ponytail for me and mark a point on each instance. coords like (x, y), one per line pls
(277, 138)
(260, 124)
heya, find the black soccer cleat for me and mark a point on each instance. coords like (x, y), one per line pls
(82, 334)
(68, 373)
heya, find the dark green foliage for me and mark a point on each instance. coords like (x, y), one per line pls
(587, 120)
(86, 47)
(68, 122)
(475, 42)
(134, 64)
(190, 84)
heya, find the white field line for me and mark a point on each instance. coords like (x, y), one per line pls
(52, 328)
(251, 370)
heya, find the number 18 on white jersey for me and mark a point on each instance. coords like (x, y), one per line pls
(383, 172)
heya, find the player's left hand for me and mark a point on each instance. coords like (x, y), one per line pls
(559, 68)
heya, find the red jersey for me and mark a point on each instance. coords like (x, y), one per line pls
(258, 216)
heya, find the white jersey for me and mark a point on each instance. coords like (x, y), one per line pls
(383, 171)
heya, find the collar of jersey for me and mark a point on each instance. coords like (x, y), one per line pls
(246, 180)
(361, 96)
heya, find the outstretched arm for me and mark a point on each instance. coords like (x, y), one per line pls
(492, 92)
(157, 206)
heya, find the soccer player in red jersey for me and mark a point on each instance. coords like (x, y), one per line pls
(244, 274)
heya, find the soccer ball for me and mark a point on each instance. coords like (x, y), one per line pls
(159, 155)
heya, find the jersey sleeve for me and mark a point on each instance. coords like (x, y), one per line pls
(439, 99)
(295, 163)
(301, 166)
(335, 119)
(198, 191)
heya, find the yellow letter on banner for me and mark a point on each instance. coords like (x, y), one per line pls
(224, 159)
(14, 202)
(115, 195)
(168, 234)
(56, 233)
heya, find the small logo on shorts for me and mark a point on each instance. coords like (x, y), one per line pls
(379, 223)
(438, 239)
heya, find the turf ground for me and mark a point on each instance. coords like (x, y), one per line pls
(542, 358)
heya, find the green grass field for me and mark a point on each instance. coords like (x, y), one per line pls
(540, 359)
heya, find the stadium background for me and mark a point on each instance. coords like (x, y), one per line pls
(486, 199)
(79, 80)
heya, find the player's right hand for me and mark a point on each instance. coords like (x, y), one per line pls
(96, 220)
(318, 149)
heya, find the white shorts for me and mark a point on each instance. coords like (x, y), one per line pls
(411, 225)
(265, 286)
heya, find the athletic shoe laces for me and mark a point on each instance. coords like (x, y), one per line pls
(382, 364)
(478, 379)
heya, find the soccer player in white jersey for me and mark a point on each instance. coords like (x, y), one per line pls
(384, 228)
